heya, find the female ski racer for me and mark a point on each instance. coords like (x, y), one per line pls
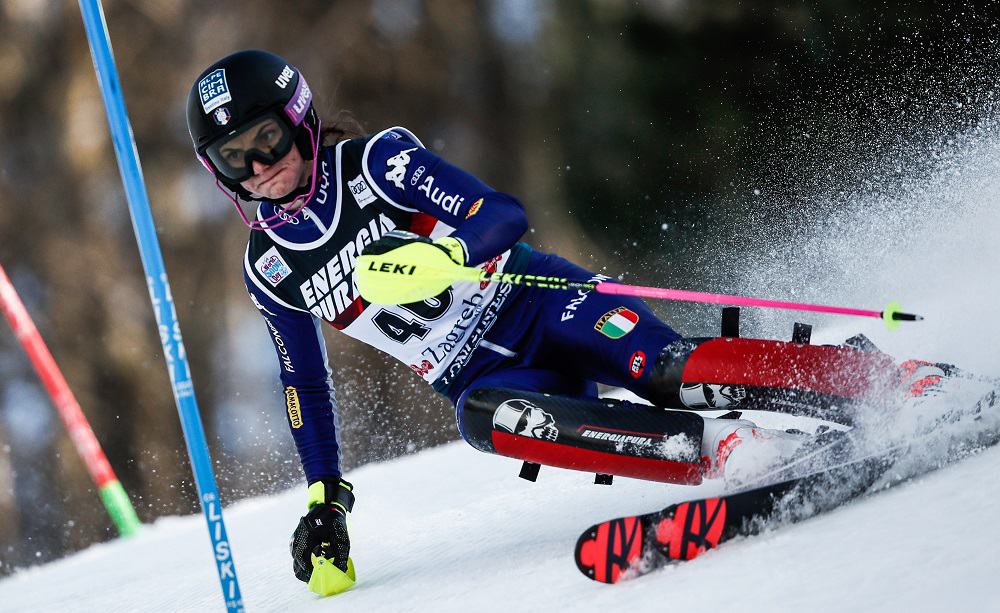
(520, 364)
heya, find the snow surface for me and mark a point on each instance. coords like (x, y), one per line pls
(478, 538)
(452, 529)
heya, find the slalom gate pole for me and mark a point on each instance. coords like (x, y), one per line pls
(111, 491)
(159, 293)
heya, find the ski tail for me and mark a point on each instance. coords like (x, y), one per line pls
(616, 549)
(836, 468)
(607, 551)
(631, 546)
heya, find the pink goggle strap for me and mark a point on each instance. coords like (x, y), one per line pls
(264, 224)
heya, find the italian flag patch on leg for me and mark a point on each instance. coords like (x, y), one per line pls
(616, 323)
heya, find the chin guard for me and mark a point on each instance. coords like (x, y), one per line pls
(327, 579)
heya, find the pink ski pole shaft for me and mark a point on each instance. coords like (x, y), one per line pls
(111, 491)
(891, 314)
(689, 296)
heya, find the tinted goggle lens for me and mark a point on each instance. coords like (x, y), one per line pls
(265, 140)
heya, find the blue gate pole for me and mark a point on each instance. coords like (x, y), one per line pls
(159, 293)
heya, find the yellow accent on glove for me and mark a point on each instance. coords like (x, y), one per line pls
(411, 273)
(327, 579)
(318, 495)
(454, 247)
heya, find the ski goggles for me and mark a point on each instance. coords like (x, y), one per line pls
(266, 139)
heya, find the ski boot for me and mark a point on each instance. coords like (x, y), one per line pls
(737, 450)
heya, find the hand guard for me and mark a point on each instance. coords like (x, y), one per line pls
(403, 267)
(320, 544)
(399, 238)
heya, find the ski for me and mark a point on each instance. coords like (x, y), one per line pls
(632, 546)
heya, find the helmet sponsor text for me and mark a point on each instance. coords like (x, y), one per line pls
(285, 77)
(213, 90)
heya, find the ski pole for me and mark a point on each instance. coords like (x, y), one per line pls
(406, 275)
(892, 313)
(111, 491)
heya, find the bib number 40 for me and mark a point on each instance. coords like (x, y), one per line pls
(401, 329)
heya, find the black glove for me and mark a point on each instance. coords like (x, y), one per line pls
(398, 238)
(323, 530)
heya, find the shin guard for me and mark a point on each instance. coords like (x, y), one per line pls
(746, 373)
(595, 435)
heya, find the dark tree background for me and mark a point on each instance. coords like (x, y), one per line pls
(639, 135)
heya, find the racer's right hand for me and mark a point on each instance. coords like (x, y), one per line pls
(323, 530)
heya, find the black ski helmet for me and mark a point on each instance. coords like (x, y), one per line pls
(238, 89)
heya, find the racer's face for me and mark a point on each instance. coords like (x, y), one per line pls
(279, 179)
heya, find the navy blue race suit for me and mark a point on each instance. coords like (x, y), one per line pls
(301, 275)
